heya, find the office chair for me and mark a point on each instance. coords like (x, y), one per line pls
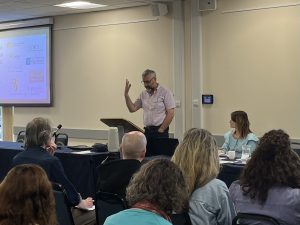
(61, 139)
(161, 146)
(108, 204)
(21, 136)
(181, 219)
(253, 218)
(114, 176)
(63, 209)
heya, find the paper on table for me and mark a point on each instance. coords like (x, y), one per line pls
(232, 161)
(87, 209)
(82, 152)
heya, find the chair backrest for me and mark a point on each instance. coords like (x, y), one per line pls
(161, 146)
(253, 218)
(114, 176)
(63, 209)
(108, 204)
(61, 139)
(21, 136)
(181, 219)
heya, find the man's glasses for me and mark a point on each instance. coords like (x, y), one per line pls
(147, 81)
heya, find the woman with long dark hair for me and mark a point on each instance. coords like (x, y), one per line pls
(270, 181)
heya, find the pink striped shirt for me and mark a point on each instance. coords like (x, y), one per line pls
(156, 105)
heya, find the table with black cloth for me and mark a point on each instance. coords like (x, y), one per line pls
(230, 172)
(79, 168)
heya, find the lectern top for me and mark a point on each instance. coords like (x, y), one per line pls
(119, 122)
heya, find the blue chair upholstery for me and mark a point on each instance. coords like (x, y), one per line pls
(61, 139)
(108, 204)
(63, 209)
(21, 136)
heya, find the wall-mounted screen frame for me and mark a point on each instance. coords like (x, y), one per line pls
(25, 66)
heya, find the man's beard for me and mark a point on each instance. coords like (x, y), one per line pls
(150, 89)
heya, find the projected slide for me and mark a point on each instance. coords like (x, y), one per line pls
(25, 66)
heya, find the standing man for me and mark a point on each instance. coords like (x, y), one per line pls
(158, 104)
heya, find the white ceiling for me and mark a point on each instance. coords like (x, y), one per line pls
(11, 10)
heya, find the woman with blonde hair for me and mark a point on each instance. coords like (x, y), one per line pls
(197, 156)
(26, 197)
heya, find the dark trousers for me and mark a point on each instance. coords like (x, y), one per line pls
(83, 217)
(151, 132)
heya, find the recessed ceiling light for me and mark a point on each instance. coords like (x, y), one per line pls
(80, 5)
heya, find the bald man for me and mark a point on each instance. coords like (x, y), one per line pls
(115, 175)
(133, 146)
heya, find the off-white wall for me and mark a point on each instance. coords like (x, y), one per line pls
(251, 63)
(93, 54)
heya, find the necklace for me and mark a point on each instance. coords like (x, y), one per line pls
(146, 205)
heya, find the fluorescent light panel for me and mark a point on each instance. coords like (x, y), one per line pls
(80, 5)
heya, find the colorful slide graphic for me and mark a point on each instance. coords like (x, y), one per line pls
(24, 66)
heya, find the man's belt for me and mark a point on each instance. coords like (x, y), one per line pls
(153, 128)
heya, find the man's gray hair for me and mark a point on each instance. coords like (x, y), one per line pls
(148, 72)
(38, 132)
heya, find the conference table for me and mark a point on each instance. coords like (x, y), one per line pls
(230, 171)
(79, 166)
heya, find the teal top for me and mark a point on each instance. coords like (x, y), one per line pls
(136, 216)
(233, 144)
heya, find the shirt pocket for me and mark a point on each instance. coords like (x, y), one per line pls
(158, 103)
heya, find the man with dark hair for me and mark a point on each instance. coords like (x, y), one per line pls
(39, 150)
(158, 104)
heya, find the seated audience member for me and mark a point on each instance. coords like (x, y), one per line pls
(133, 146)
(26, 197)
(270, 181)
(39, 149)
(240, 135)
(197, 156)
(156, 190)
(115, 175)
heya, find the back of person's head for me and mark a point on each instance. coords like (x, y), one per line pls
(26, 197)
(38, 132)
(242, 122)
(272, 163)
(133, 145)
(161, 183)
(197, 156)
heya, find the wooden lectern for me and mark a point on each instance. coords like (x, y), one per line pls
(124, 126)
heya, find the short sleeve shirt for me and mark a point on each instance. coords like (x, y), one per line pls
(155, 105)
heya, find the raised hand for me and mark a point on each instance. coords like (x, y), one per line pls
(127, 87)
